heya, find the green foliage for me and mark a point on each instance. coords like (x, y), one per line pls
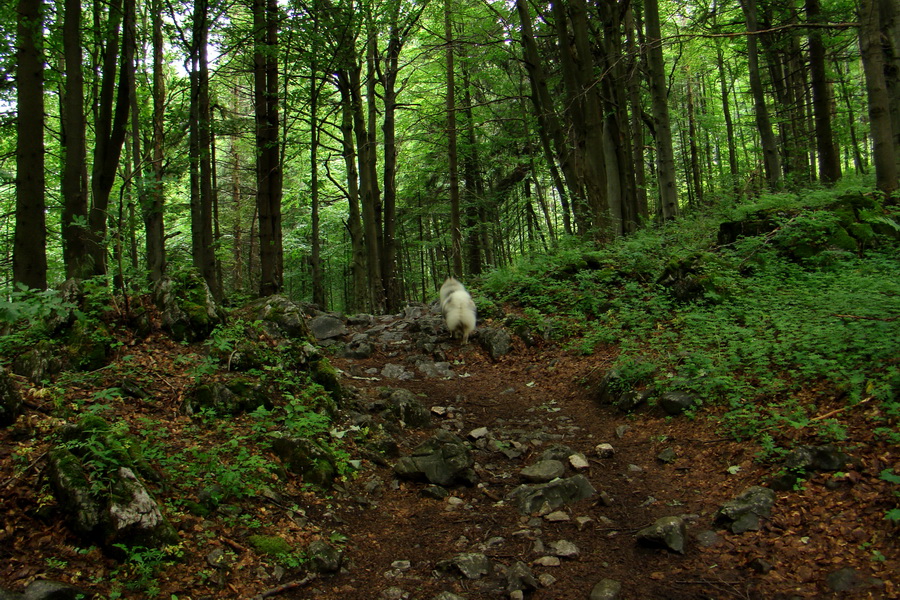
(813, 304)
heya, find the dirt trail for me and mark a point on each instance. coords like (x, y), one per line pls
(536, 397)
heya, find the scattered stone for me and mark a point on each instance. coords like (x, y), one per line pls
(325, 327)
(581, 522)
(610, 388)
(667, 456)
(392, 371)
(547, 561)
(621, 430)
(478, 433)
(546, 580)
(760, 565)
(547, 497)
(471, 565)
(675, 403)
(667, 532)
(448, 596)
(579, 462)
(10, 399)
(605, 450)
(435, 370)
(520, 578)
(435, 491)
(405, 407)
(635, 469)
(401, 565)
(324, 558)
(744, 512)
(45, 589)
(606, 589)
(557, 516)
(844, 580)
(394, 593)
(809, 459)
(564, 549)
(443, 460)
(605, 498)
(496, 341)
(308, 458)
(543, 471)
(557, 452)
(632, 400)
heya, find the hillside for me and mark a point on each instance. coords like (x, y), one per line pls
(283, 469)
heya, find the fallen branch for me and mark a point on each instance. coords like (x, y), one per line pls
(22, 474)
(291, 585)
(842, 409)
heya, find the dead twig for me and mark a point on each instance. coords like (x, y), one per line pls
(14, 478)
(842, 409)
(291, 585)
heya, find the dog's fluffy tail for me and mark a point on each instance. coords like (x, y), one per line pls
(459, 313)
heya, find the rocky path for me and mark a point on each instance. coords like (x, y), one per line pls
(510, 481)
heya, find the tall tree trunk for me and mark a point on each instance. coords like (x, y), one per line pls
(692, 142)
(664, 151)
(111, 125)
(771, 158)
(29, 245)
(315, 259)
(632, 27)
(890, 40)
(851, 119)
(474, 189)
(268, 164)
(74, 178)
(452, 157)
(870, 43)
(729, 125)
(152, 204)
(202, 245)
(829, 156)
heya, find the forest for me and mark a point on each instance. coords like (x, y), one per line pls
(225, 371)
(354, 154)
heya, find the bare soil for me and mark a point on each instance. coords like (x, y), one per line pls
(378, 520)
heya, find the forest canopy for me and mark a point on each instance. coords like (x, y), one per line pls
(354, 153)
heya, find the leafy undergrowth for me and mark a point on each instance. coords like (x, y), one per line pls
(799, 313)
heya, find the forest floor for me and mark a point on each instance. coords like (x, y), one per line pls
(393, 537)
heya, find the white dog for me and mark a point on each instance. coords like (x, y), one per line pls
(458, 309)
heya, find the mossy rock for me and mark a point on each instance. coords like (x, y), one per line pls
(10, 399)
(323, 373)
(841, 239)
(271, 545)
(233, 397)
(307, 458)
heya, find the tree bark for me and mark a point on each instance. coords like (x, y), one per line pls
(74, 179)
(268, 164)
(152, 202)
(828, 153)
(29, 244)
(452, 157)
(111, 125)
(771, 158)
(879, 101)
(664, 151)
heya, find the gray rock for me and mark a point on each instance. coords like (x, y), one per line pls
(403, 405)
(287, 316)
(557, 452)
(632, 400)
(496, 341)
(564, 549)
(543, 471)
(44, 589)
(675, 403)
(606, 589)
(10, 399)
(187, 308)
(39, 362)
(307, 458)
(547, 497)
(444, 460)
(134, 516)
(231, 398)
(448, 596)
(323, 557)
(760, 565)
(611, 387)
(744, 512)
(472, 565)
(435, 370)
(808, 459)
(667, 456)
(392, 371)
(358, 348)
(666, 532)
(520, 578)
(325, 327)
(361, 320)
